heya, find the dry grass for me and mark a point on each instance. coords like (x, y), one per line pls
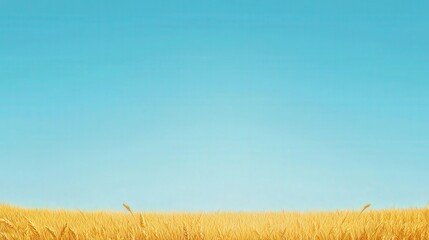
(18, 223)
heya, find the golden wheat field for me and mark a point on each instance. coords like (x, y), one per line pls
(19, 223)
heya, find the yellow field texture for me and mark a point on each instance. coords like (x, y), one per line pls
(18, 223)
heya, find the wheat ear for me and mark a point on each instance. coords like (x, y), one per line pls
(365, 208)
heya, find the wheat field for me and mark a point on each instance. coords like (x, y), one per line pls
(20, 223)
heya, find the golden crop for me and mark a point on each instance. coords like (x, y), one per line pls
(18, 223)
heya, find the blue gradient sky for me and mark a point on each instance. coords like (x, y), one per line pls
(214, 105)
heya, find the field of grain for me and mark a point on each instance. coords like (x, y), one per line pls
(19, 223)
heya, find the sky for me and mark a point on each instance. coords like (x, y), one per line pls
(214, 105)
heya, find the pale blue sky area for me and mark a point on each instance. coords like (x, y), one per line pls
(214, 105)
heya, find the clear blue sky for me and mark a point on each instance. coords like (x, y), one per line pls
(214, 105)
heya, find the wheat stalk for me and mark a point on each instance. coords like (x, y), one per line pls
(3, 236)
(142, 221)
(128, 208)
(344, 219)
(51, 232)
(32, 228)
(186, 233)
(364, 208)
(201, 235)
(72, 233)
(62, 232)
(7, 223)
